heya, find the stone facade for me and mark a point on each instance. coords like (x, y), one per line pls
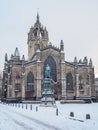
(0, 84)
(24, 78)
(96, 86)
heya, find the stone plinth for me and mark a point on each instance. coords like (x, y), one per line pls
(47, 98)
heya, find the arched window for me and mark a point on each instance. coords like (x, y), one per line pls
(69, 81)
(30, 81)
(51, 62)
(80, 82)
(87, 80)
(17, 83)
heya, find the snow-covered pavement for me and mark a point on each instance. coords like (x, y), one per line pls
(18, 118)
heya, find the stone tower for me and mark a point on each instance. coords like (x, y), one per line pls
(37, 38)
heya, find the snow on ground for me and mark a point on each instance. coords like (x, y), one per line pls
(45, 118)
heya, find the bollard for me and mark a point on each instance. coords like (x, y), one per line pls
(15, 104)
(22, 105)
(18, 104)
(57, 112)
(72, 114)
(26, 106)
(88, 116)
(36, 108)
(31, 107)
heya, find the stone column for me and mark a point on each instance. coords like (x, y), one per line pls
(38, 81)
(91, 85)
(63, 80)
(77, 85)
(13, 87)
(8, 86)
(23, 87)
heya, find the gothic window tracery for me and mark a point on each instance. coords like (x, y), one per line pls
(87, 80)
(51, 62)
(17, 83)
(30, 81)
(80, 82)
(69, 81)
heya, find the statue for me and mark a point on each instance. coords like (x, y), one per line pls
(47, 71)
(47, 93)
(47, 80)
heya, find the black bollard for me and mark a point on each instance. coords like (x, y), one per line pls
(57, 112)
(31, 107)
(22, 105)
(88, 116)
(18, 104)
(26, 106)
(36, 108)
(15, 104)
(72, 114)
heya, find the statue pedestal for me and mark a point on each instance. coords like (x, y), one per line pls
(47, 98)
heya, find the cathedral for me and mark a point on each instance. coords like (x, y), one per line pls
(23, 79)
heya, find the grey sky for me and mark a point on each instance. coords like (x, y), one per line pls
(73, 21)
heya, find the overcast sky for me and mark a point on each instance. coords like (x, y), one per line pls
(73, 21)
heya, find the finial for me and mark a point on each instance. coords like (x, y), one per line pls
(85, 60)
(62, 45)
(75, 59)
(6, 57)
(37, 14)
(16, 53)
(80, 61)
(23, 58)
(90, 62)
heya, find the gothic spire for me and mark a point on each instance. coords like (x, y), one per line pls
(85, 60)
(16, 53)
(6, 57)
(75, 59)
(62, 45)
(37, 17)
(90, 62)
(37, 24)
(23, 58)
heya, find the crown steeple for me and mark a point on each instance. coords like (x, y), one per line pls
(37, 36)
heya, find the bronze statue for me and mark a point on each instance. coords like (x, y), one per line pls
(47, 71)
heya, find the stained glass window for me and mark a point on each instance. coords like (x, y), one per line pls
(30, 81)
(69, 81)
